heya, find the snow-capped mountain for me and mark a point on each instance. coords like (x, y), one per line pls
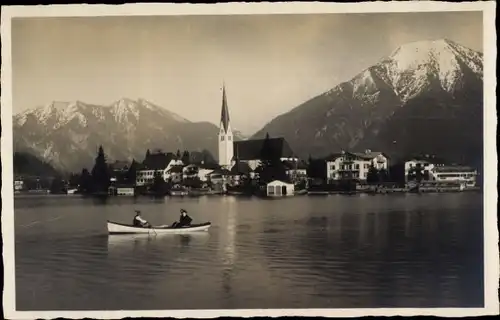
(425, 96)
(67, 134)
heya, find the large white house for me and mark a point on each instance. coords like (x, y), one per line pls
(247, 151)
(354, 164)
(157, 163)
(461, 174)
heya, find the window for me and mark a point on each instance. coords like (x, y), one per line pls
(229, 138)
(222, 138)
(357, 166)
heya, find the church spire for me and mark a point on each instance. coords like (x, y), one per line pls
(224, 117)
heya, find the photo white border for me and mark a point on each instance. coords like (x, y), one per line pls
(491, 263)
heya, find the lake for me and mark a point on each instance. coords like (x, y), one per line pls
(337, 251)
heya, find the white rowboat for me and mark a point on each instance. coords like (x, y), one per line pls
(119, 228)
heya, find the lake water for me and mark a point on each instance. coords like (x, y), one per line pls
(303, 252)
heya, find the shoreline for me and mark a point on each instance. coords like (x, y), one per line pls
(307, 193)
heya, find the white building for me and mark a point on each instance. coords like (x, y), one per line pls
(425, 166)
(225, 135)
(248, 151)
(158, 163)
(461, 174)
(125, 191)
(354, 164)
(279, 188)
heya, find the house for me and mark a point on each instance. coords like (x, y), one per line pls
(355, 165)
(424, 163)
(464, 175)
(239, 171)
(295, 170)
(279, 188)
(219, 176)
(249, 151)
(18, 185)
(121, 190)
(204, 171)
(175, 173)
(156, 163)
(190, 171)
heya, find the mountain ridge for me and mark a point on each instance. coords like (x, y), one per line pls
(67, 134)
(357, 113)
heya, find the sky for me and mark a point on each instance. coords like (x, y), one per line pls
(269, 63)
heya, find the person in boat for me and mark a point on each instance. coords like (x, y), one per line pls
(139, 221)
(184, 220)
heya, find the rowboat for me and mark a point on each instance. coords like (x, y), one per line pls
(119, 228)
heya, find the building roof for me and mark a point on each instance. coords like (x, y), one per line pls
(427, 158)
(157, 161)
(220, 171)
(279, 183)
(252, 149)
(367, 155)
(240, 168)
(120, 165)
(292, 165)
(208, 166)
(224, 116)
(333, 156)
(443, 169)
(176, 169)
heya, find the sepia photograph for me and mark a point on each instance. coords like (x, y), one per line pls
(249, 159)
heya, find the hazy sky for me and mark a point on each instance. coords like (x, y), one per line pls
(270, 64)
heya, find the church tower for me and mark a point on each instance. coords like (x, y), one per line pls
(225, 135)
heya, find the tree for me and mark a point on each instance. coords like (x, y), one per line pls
(373, 175)
(100, 173)
(316, 168)
(159, 186)
(57, 185)
(271, 167)
(397, 173)
(178, 154)
(148, 153)
(383, 175)
(131, 174)
(185, 157)
(85, 183)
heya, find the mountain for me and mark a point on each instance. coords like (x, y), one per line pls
(67, 134)
(26, 164)
(425, 97)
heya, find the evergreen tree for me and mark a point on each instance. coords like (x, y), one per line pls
(178, 154)
(131, 174)
(159, 184)
(383, 175)
(100, 173)
(373, 175)
(186, 158)
(85, 183)
(148, 153)
(316, 168)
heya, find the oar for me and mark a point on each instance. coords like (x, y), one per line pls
(151, 227)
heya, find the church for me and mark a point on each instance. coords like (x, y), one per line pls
(246, 152)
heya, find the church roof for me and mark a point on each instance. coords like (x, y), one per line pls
(224, 117)
(252, 149)
(157, 161)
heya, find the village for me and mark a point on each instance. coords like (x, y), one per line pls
(261, 167)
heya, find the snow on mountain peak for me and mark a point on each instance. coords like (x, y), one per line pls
(123, 107)
(412, 66)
